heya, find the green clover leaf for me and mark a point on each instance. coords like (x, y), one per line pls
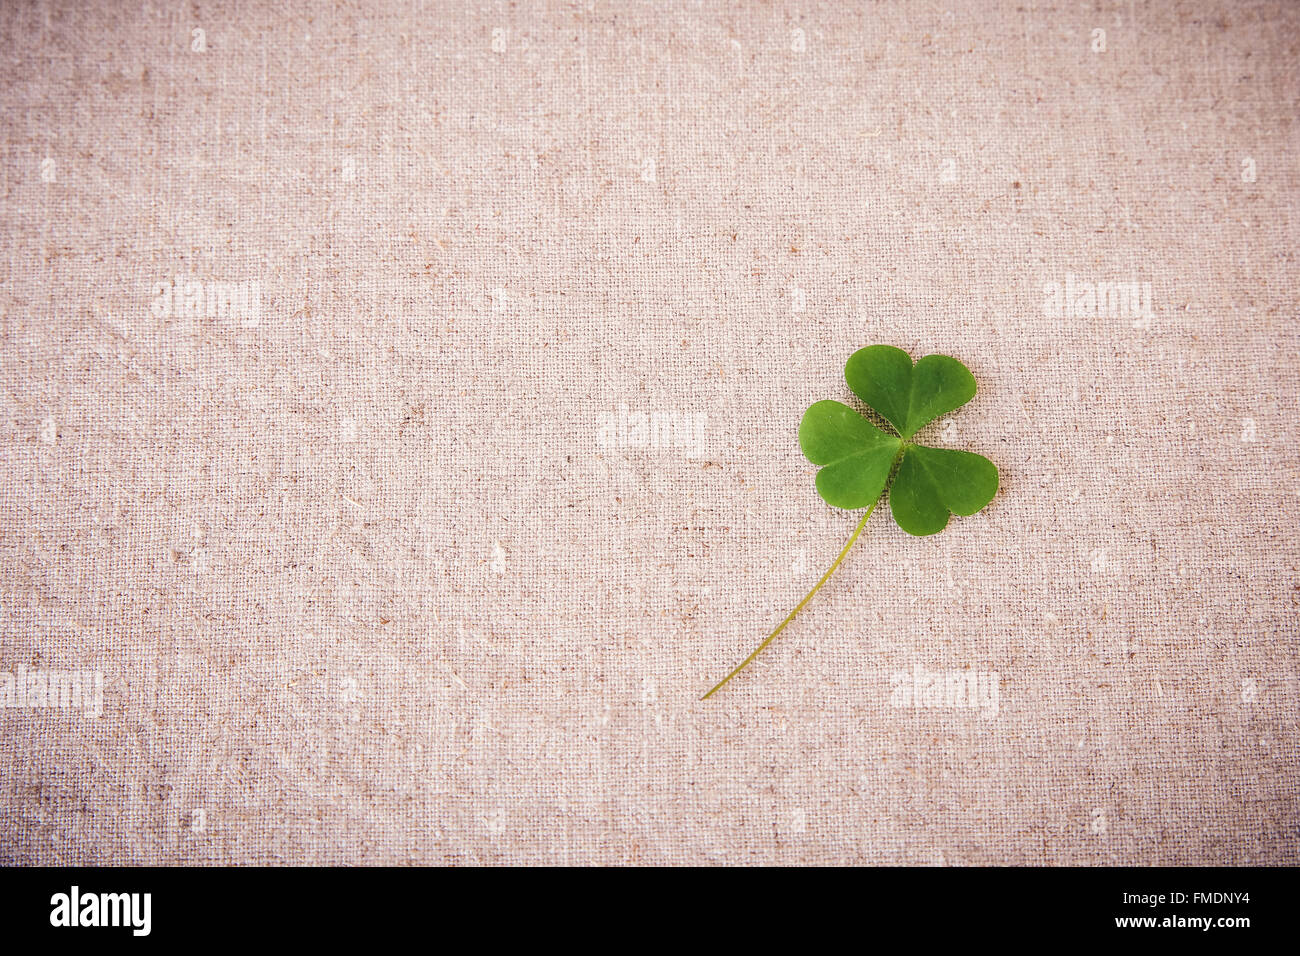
(860, 462)
(931, 483)
(908, 396)
(856, 455)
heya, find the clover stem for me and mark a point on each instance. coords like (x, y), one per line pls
(798, 607)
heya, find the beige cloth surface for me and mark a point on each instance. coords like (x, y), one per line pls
(368, 580)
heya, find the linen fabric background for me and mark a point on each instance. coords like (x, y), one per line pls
(385, 571)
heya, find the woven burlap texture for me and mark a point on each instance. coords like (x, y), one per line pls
(384, 565)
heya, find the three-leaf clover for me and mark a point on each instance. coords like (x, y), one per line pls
(859, 461)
